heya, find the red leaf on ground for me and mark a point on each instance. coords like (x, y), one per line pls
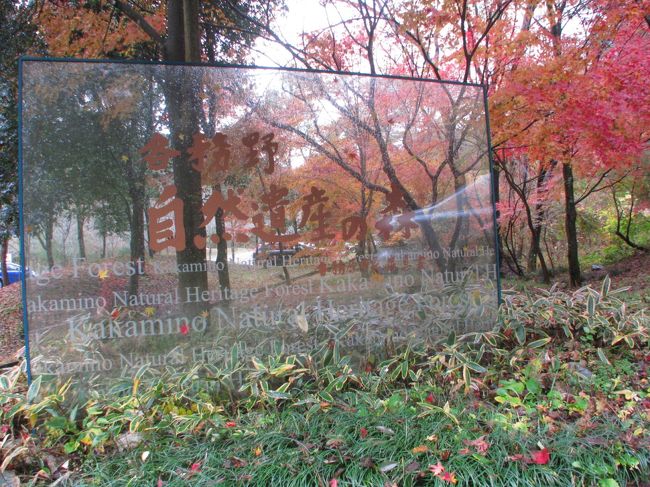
(115, 313)
(540, 457)
(184, 329)
(449, 477)
(334, 483)
(479, 444)
(230, 424)
(159, 483)
(195, 467)
(363, 432)
(436, 469)
(430, 398)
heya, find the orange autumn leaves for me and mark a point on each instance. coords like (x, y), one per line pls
(92, 32)
(439, 471)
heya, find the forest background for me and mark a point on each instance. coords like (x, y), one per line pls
(567, 85)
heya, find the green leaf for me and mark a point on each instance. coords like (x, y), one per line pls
(520, 334)
(591, 305)
(58, 422)
(466, 377)
(71, 446)
(395, 402)
(284, 387)
(73, 413)
(603, 358)
(608, 483)
(141, 371)
(34, 387)
(513, 385)
(539, 343)
(282, 369)
(476, 367)
(628, 460)
(278, 395)
(405, 370)
(533, 386)
(604, 290)
(326, 396)
(258, 365)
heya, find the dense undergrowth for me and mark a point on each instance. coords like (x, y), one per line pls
(556, 395)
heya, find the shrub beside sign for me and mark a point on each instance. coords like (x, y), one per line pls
(173, 212)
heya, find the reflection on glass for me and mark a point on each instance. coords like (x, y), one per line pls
(173, 212)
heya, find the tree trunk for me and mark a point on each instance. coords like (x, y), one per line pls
(434, 244)
(181, 95)
(626, 237)
(103, 255)
(461, 227)
(49, 238)
(530, 221)
(497, 198)
(575, 278)
(137, 234)
(80, 235)
(3, 263)
(536, 232)
(222, 248)
(136, 171)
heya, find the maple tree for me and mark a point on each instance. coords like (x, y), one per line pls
(17, 37)
(546, 83)
(576, 102)
(357, 45)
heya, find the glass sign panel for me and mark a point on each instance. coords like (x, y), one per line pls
(172, 212)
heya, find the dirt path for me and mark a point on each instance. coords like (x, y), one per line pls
(633, 271)
(11, 323)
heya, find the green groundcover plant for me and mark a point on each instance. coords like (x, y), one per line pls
(557, 394)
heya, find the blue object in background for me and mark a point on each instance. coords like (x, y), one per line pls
(14, 272)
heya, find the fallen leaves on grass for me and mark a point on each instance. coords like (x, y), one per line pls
(449, 477)
(480, 445)
(540, 457)
(235, 462)
(439, 471)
